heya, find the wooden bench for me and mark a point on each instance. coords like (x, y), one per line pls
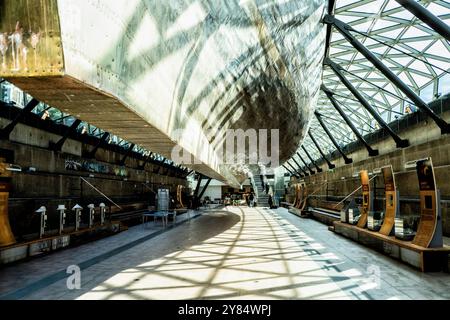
(325, 216)
(51, 243)
(425, 259)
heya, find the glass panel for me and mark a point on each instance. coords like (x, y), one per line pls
(427, 94)
(444, 84)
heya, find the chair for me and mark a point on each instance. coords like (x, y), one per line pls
(164, 215)
(174, 214)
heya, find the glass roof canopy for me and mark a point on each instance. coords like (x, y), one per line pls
(418, 55)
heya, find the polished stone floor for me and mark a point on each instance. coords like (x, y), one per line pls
(232, 253)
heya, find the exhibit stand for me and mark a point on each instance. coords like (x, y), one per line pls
(6, 235)
(392, 205)
(367, 205)
(429, 233)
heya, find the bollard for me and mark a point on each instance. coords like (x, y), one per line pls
(62, 217)
(43, 212)
(102, 213)
(77, 210)
(91, 215)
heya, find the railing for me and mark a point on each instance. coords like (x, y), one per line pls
(351, 194)
(101, 193)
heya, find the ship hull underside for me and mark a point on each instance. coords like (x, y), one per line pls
(176, 73)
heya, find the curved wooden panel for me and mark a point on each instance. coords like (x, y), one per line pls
(305, 198)
(367, 199)
(180, 196)
(392, 201)
(6, 235)
(429, 204)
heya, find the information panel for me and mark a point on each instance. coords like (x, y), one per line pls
(392, 201)
(429, 233)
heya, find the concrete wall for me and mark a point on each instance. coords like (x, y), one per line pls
(53, 182)
(214, 192)
(426, 141)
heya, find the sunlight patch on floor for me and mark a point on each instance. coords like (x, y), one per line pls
(258, 258)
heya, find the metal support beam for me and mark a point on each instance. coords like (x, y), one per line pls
(147, 160)
(71, 130)
(167, 172)
(195, 200)
(127, 154)
(331, 7)
(345, 29)
(204, 189)
(427, 17)
(103, 139)
(292, 174)
(319, 169)
(305, 173)
(306, 164)
(6, 131)
(300, 171)
(333, 140)
(197, 189)
(401, 143)
(188, 173)
(297, 172)
(330, 165)
(372, 152)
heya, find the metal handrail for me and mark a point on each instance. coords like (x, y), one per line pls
(315, 192)
(101, 193)
(351, 194)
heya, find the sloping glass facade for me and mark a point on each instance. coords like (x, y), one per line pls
(417, 54)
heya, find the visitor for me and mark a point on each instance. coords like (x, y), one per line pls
(270, 202)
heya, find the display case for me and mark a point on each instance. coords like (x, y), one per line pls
(406, 227)
(353, 216)
(375, 220)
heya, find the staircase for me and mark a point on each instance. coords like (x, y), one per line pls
(263, 198)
